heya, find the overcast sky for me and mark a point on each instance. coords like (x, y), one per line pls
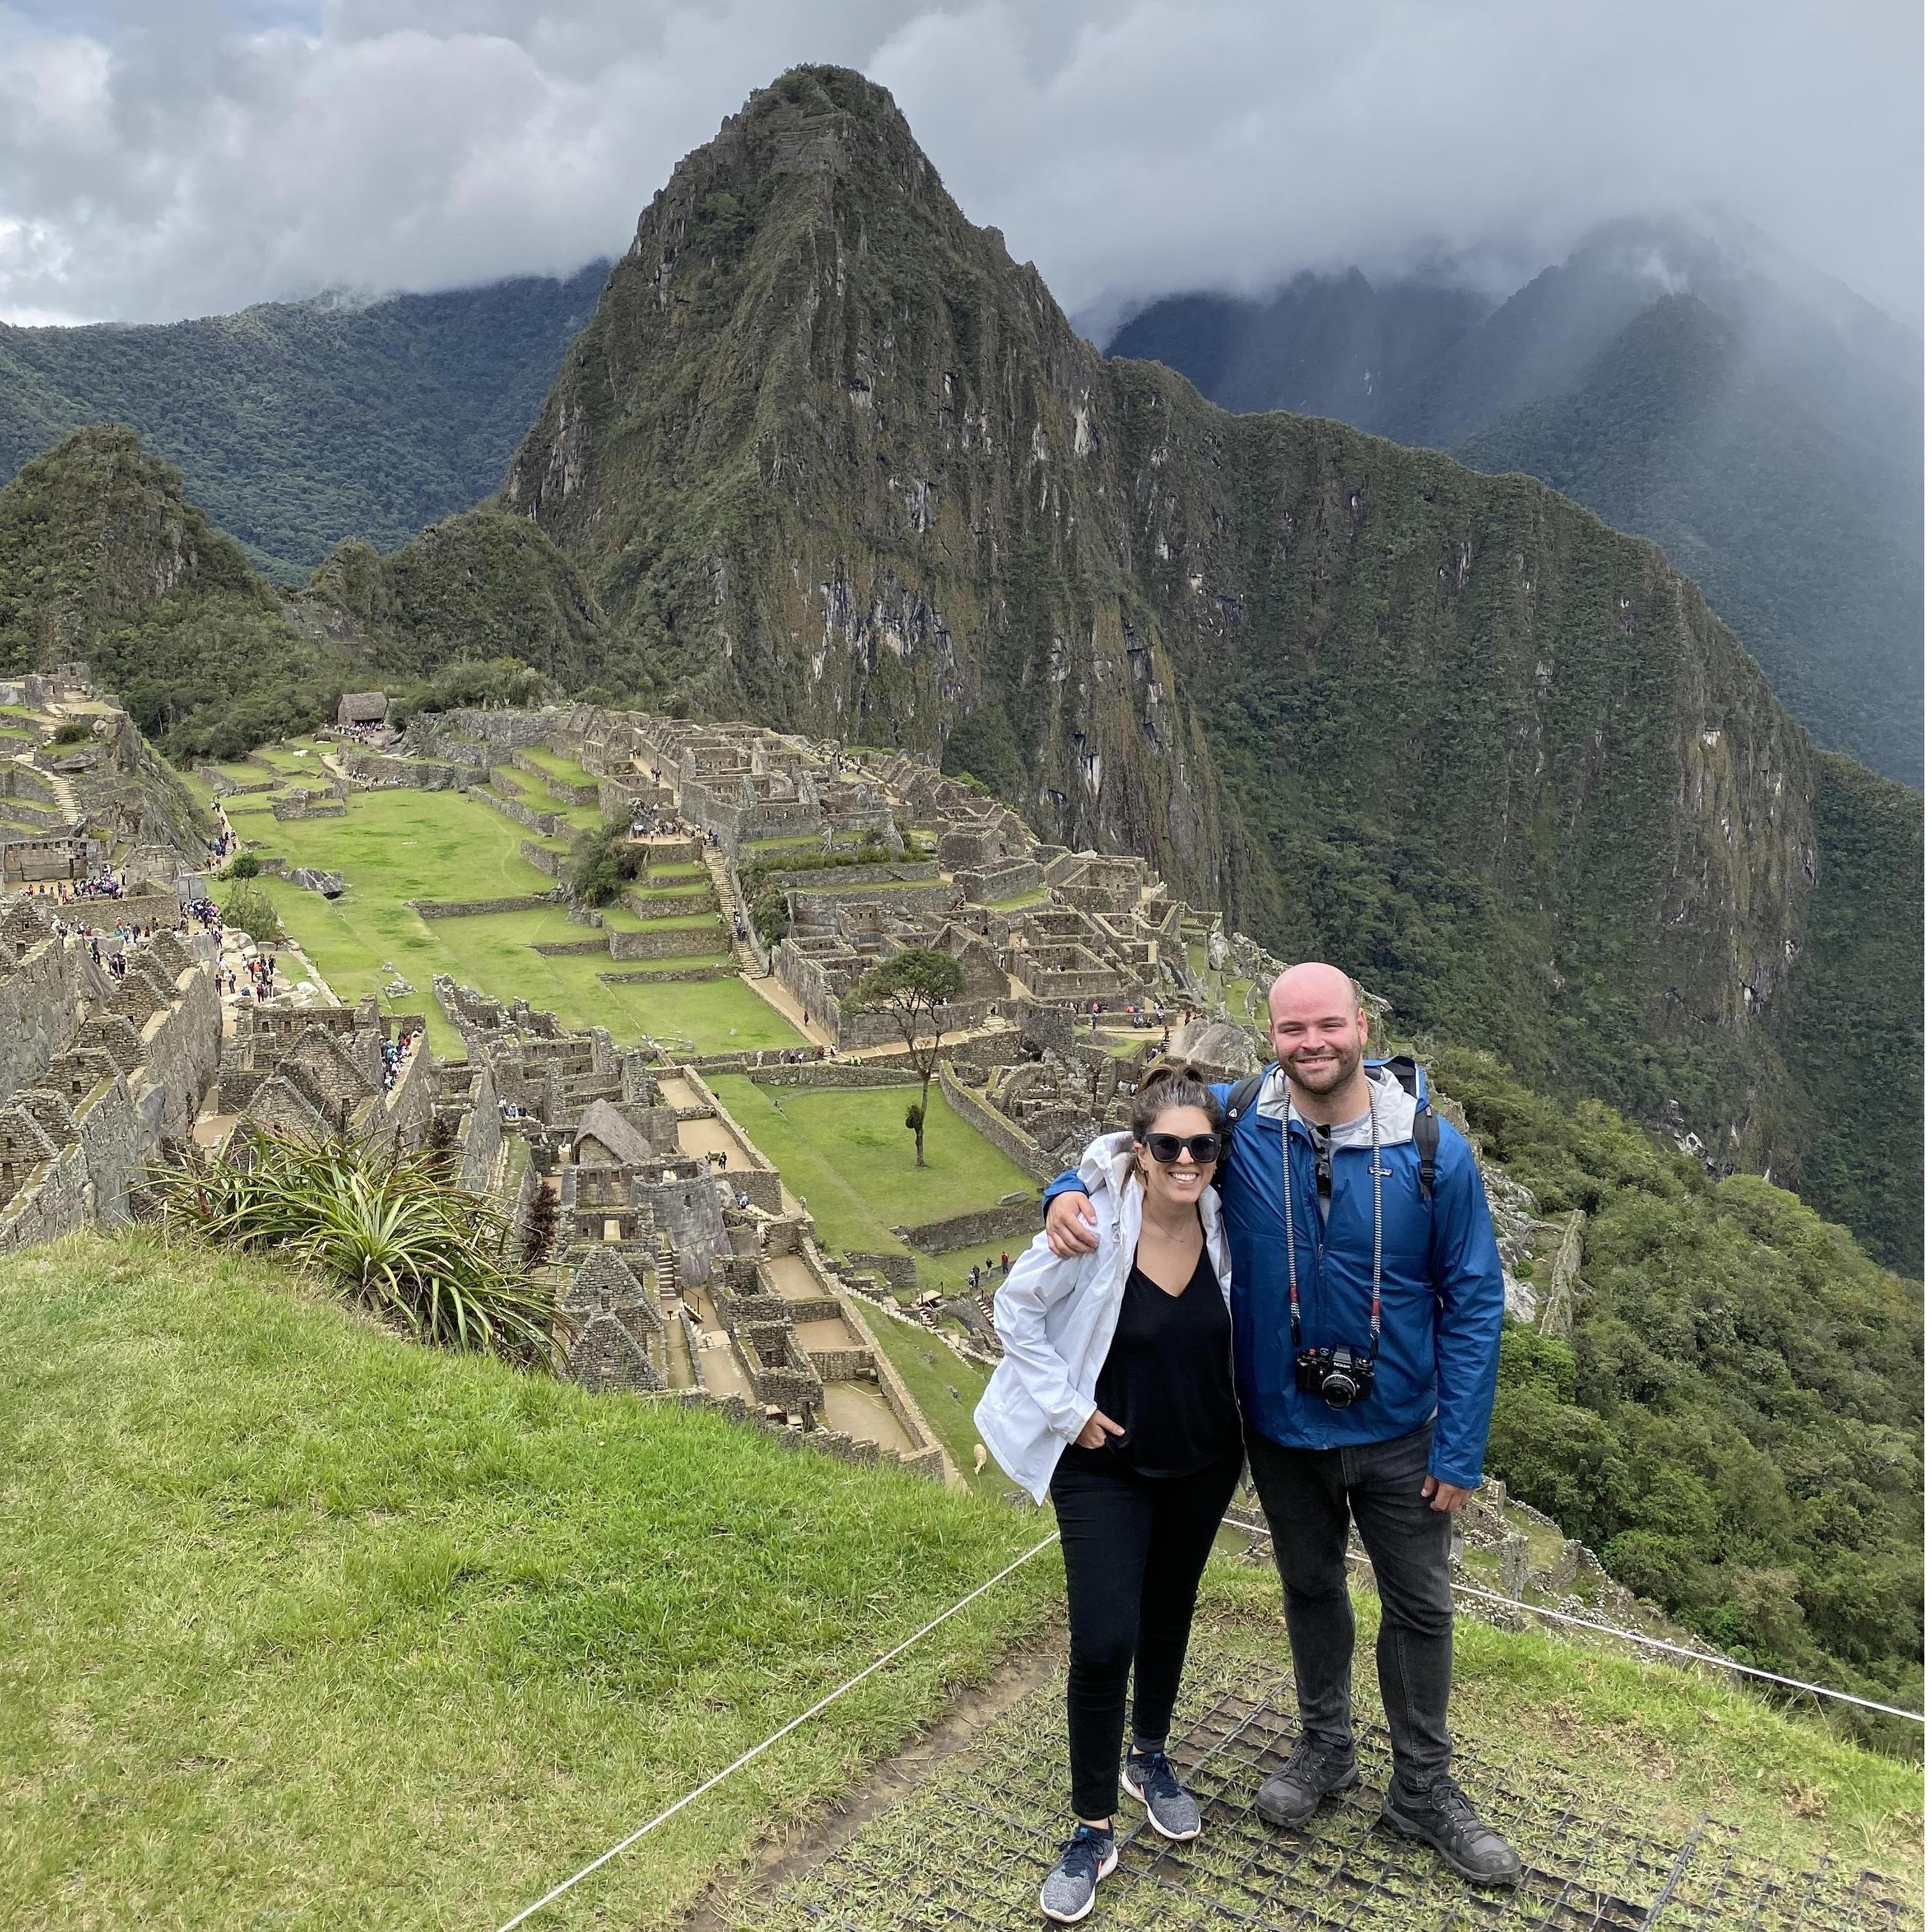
(161, 158)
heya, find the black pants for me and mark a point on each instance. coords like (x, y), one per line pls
(1135, 1548)
(1309, 1495)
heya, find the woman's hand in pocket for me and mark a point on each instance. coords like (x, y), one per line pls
(1098, 1428)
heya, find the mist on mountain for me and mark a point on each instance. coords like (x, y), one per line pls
(1683, 377)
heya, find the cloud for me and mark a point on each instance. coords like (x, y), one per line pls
(182, 158)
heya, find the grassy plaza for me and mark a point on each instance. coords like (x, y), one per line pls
(846, 1153)
(393, 845)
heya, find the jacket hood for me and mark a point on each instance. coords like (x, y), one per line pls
(1390, 1104)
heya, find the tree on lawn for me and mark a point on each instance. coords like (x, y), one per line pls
(914, 987)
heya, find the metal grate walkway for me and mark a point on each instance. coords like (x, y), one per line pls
(966, 1852)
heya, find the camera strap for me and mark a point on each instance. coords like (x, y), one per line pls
(1287, 1209)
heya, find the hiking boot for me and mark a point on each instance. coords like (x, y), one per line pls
(1291, 1794)
(1151, 1779)
(1443, 1817)
(1086, 1858)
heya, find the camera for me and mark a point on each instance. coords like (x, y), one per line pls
(1339, 1376)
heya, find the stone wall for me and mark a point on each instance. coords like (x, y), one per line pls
(831, 1073)
(995, 1227)
(181, 1051)
(483, 1136)
(546, 858)
(471, 908)
(896, 1270)
(671, 944)
(724, 970)
(815, 905)
(383, 768)
(544, 824)
(428, 732)
(671, 902)
(1007, 879)
(1021, 1148)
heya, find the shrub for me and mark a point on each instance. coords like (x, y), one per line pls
(603, 862)
(387, 1230)
(243, 865)
(73, 731)
(253, 911)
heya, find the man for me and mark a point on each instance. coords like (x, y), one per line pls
(1363, 1394)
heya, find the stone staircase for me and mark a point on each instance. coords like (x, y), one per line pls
(745, 955)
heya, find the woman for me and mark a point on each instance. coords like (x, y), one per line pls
(1116, 1395)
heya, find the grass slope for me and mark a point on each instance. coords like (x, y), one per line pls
(307, 1626)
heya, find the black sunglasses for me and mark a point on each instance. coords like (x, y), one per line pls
(1165, 1148)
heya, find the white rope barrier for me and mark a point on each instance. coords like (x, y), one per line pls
(784, 1730)
(1717, 1661)
(1261, 1530)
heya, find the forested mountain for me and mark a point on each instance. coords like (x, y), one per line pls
(297, 424)
(102, 557)
(826, 456)
(1686, 382)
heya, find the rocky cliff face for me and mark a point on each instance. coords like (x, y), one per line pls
(828, 457)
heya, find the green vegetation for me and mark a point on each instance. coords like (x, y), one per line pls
(603, 861)
(489, 591)
(207, 667)
(253, 911)
(912, 989)
(1856, 1120)
(1735, 1424)
(843, 1150)
(299, 423)
(387, 1229)
(313, 1628)
(1443, 727)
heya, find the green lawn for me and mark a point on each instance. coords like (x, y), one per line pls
(404, 844)
(565, 769)
(309, 1627)
(529, 792)
(352, 938)
(846, 1151)
(394, 845)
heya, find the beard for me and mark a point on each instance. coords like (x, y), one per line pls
(1324, 1073)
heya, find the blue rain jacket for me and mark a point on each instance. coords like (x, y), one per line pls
(1442, 1282)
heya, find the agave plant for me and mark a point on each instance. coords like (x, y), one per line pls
(387, 1228)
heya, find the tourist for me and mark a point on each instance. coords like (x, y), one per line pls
(1116, 1395)
(1392, 1244)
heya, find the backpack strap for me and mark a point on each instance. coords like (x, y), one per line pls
(1242, 1095)
(1428, 1138)
(1428, 1128)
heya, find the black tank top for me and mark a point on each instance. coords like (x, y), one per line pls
(1168, 1380)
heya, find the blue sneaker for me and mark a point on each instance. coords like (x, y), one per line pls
(1170, 1810)
(1088, 1856)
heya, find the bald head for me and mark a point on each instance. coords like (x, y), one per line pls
(1314, 983)
(1318, 1029)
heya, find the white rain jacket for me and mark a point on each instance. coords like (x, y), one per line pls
(1056, 1321)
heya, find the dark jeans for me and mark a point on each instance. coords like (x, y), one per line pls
(1308, 1495)
(1135, 1548)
